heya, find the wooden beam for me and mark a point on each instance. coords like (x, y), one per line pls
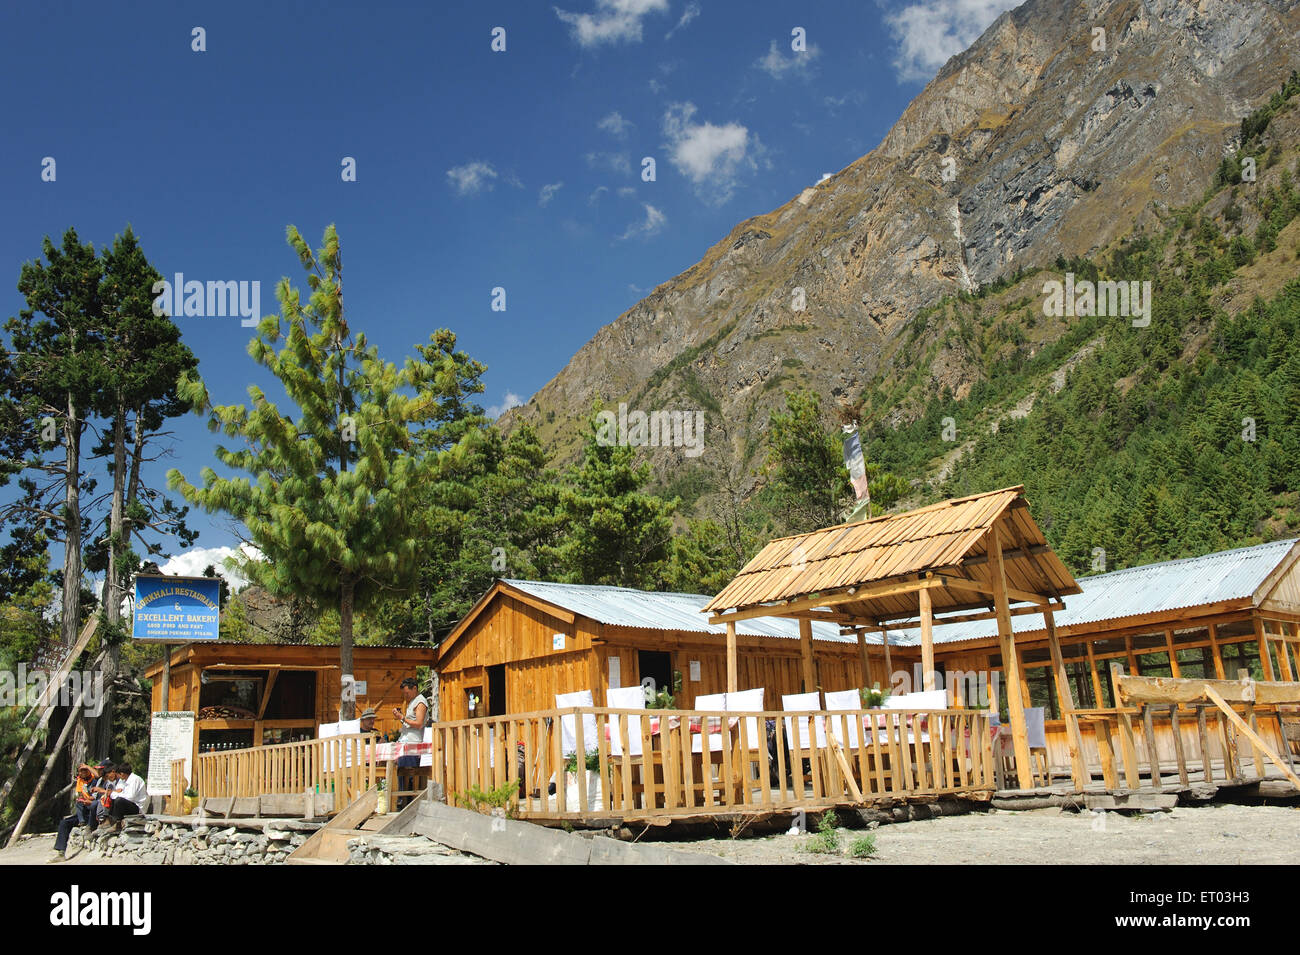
(1173, 654)
(1135, 690)
(962, 583)
(889, 665)
(1014, 554)
(940, 620)
(266, 693)
(805, 655)
(927, 642)
(1078, 769)
(1010, 664)
(732, 686)
(785, 607)
(549, 609)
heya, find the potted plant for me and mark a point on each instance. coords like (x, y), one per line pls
(591, 773)
(873, 698)
(191, 796)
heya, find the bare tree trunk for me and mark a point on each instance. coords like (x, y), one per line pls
(347, 707)
(50, 762)
(72, 526)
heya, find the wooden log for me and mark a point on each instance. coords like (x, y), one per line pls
(1179, 752)
(805, 657)
(927, 640)
(1135, 690)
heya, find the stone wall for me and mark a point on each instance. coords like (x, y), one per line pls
(222, 842)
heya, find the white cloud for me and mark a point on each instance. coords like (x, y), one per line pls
(690, 13)
(626, 192)
(615, 125)
(928, 32)
(613, 21)
(616, 162)
(712, 157)
(548, 192)
(191, 563)
(511, 400)
(778, 66)
(596, 194)
(471, 178)
(655, 86)
(652, 224)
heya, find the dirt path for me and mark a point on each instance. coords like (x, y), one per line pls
(1207, 835)
(38, 849)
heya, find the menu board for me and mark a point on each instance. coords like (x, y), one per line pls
(171, 736)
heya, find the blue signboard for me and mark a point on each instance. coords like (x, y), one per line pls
(176, 609)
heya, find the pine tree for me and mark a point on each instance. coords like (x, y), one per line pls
(614, 532)
(330, 501)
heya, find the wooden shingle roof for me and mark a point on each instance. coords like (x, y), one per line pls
(948, 539)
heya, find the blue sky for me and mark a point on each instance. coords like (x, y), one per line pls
(475, 169)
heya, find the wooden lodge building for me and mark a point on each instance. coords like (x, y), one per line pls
(259, 694)
(526, 641)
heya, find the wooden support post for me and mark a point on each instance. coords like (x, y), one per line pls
(1132, 659)
(1149, 737)
(862, 658)
(1180, 754)
(805, 654)
(1107, 752)
(1126, 746)
(1265, 660)
(1011, 666)
(1283, 659)
(1244, 677)
(1173, 654)
(167, 678)
(1096, 677)
(1078, 768)
(1214, 652)
(1207, 769)
(732, 685)
(889, 663)
(927, 639)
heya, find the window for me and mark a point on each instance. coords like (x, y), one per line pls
(1241, 656)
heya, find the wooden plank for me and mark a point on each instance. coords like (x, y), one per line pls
(625, 763)
(1179, 751)
(1250, 734)
(557, 765)
(1153, 755)
(781, 744)
(1231, 760)
(649, 791)
(854, 793)
(863, 664)
(602, 752)
(580, 770)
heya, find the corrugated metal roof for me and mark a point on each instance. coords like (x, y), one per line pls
(625, 607)
(1149, 588)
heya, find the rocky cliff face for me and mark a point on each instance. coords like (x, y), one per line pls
(1035, 142)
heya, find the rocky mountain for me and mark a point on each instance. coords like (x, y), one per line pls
(1067, 125)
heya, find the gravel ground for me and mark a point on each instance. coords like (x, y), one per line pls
(1204, 835)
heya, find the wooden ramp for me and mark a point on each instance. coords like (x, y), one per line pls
(329, 844)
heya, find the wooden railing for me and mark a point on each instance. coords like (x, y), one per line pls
(686, 763)
(341, 764)
(1135, 747)
(176, 798)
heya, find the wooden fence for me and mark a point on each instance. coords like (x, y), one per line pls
(679, 763)
(342, 764)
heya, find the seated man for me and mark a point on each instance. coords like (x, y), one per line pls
(129, 798)
(368, 721)
(83, 814)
